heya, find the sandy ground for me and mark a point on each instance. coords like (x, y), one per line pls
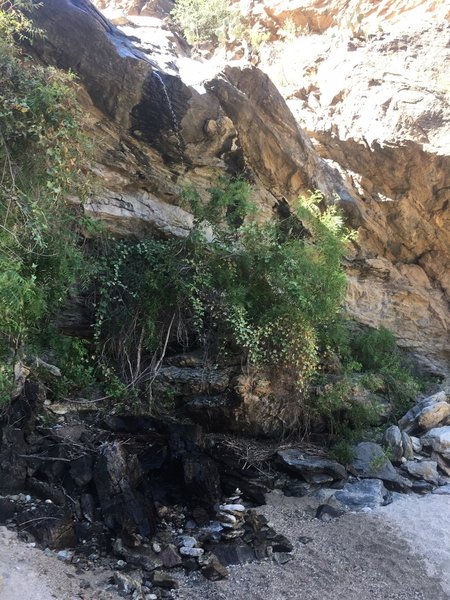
(355, 557)
(400, 552)
(26, 573)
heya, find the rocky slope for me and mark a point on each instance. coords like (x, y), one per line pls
(380, 132)
(384, 121)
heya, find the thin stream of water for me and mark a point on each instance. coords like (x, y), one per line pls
(176, 125)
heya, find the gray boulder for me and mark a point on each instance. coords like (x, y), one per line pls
(443, 463)
(366, 493)
(407, 446)
(312, 468)
(439, 439)
(371, 462)
(425, 469)
(443, 490)
(392, 439)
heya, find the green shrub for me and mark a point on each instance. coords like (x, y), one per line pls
(260, 291)
(378, 353)
(42, 154)
(201, 20)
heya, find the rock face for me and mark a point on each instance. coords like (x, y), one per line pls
(319, 15)
(159, 135)
(376, 107)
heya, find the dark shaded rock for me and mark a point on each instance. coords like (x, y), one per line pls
(88, 507)
(7, 510)
(325, 512)
(23, 410)
(279, 542)
(13, 468)
(371, 462)
(212, 568)
(252, 488)
(139, 557)
(161, 579)
(312, 468)
(233, 554)
(81, 470)
(129, 423)
(201, 515)
(297, 489)
(422, 487)
(213, 412)
(184, 438)
(191, 564)
(44, 490)
(369, 493)
(50, 525)
(202, 480)
(170, 557)
(116, 475)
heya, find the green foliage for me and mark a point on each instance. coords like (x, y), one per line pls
(201, 20)
(262, 291)
(377, 351)
(343, 452)
(41, 158)
(346, 416)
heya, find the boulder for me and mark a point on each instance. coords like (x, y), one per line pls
(161, 579)
(325, 512)
(416, 444)
(170, 557)
(439, 439)
(433, 415)
(366, 493)
(425, 469)
(443, 490)
(116, 476)
(426, 414)
(392, 440)
(312, 469)
(407, 446)
(212, 568)
(443, 463)
(371, 462)
(52, 526)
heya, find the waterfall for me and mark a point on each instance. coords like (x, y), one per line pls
(175, 123)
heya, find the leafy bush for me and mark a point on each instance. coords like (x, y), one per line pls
(269, 293)
(378, 353)
(41, 159)
(201, 20)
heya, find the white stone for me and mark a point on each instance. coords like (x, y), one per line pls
(193, 552)
(439, 439)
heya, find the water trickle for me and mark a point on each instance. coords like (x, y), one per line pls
(175, 123)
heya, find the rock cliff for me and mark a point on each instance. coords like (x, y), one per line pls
(376, 107)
